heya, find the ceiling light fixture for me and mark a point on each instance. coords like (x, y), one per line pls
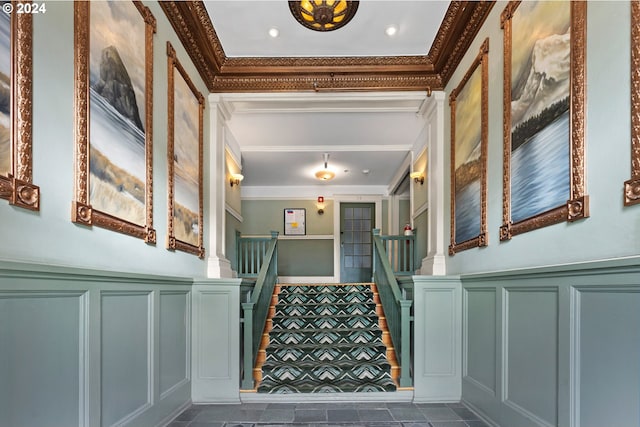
(274, 32)
(325, 174)
(391, 30)
(323, 15)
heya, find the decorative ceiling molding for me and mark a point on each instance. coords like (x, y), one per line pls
(193, 26)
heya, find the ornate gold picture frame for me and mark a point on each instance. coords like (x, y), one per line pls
(632, 186)
(185, 157)
(16, 159)
(113, 48)
(544, 159)
(469, 103)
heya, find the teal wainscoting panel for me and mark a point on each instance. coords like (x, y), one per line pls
(437, 338)
(82, 347)
(175, 342)
(125, 357)
(41, 347)
(216, 341)
(608, 355)
(479, 357)
(530, 368)
(565, 340)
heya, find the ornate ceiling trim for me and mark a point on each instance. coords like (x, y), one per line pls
(193, 26)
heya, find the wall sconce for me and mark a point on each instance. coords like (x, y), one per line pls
(235, 179)
(417, 177)
(320, 205)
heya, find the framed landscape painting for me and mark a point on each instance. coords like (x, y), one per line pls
(185, 134)
(16, 65)
(632, 186)
(544, 108)
(469, 134)
(114, 100)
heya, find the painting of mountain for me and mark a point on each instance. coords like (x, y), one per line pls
(468, 171)
(186, 162)
(117, 110)
(5, 94)
(540, 90)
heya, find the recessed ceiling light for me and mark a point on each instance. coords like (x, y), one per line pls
(274, 32)
(391, 30)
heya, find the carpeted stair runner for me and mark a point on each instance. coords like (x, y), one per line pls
(325, 338)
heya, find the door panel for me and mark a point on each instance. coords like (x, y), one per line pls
(356, 222)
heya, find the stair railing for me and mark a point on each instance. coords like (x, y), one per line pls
(400, 250)
(256, 309)
(250, 254)
(396, 308)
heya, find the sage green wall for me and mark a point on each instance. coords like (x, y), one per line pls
(404, 214)
(231, 226)
(384, 227)
(262, 216)
(420, 223)
(305, 257)
(612, 230)
(49, 236)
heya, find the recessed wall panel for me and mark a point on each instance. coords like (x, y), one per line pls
(173, 339)
(40, 348)
(125, 354)
(531, 360)
(480, 337)
(609, 357)
(214, 339)
(440, 335)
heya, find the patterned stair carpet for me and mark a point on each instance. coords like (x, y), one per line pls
(323, 339)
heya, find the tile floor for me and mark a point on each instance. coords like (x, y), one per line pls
(357, 414)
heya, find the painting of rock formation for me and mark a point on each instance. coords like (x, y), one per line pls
(117, 110)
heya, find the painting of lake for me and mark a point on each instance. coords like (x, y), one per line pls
(5, 93)
(117, 110)
(186, 158)
(540, 125)
(468, 167)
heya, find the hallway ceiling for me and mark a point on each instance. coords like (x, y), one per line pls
(354, 92)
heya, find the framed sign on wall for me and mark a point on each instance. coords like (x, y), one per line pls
(295, 221)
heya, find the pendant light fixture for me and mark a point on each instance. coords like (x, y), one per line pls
(323, 15)
(325, 174)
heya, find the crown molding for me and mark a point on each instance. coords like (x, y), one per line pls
(193, 26)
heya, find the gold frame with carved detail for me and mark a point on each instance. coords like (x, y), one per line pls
(577, 205)
(481, 64)
(82, 212)
(632, 185)
(174, 243)
(17, 187)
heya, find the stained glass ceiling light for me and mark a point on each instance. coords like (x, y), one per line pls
(323, 15)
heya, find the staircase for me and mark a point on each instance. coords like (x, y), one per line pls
(326, 338)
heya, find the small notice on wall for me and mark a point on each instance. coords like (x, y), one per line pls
(294, 222)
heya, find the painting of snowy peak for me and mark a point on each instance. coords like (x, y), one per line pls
(5, 93)
(468, 168)
(540, 90)
(117, 110)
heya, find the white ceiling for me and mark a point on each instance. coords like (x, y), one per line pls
(282, 136)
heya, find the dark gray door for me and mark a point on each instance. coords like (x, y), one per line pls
(356, 222)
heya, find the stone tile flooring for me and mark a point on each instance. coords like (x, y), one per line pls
(356, 414)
